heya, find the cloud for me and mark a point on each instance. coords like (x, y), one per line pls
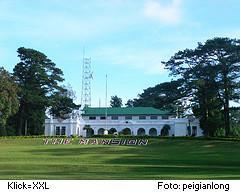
(167, 14)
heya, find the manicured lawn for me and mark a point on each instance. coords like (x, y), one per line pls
(161, 159)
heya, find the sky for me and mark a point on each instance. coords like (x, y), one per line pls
(126, 39)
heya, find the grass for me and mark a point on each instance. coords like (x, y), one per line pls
(28, 158)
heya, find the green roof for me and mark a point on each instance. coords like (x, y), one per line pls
(124, 111)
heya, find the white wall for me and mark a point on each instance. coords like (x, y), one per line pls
(72, 126)
(75, 126)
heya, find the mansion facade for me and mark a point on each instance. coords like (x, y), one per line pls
(137, 121)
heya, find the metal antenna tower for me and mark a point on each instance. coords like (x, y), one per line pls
(87, 76)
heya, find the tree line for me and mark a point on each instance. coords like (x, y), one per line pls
(204, 82)
(34, 87)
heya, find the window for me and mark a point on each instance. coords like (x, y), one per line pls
(128, 117)
(114, 117)
(189, 132)
(92, 118)
(142, 117)
(102, 117)
(165, 117)
(194, 130)
(63, 130)
(57, 130)
(153, 117)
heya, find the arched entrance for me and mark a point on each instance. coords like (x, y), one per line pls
(90, 132)
(112, 131)
(141, 132)
(126, 131)
(101, 131)
(165, 130)
(153, 132)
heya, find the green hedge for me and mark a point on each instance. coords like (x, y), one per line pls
(129, 137)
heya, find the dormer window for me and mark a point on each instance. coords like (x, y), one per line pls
(142, 117)
(153, 117)
(128, 117)
(114, 117)
(92, 118)
(165, 117)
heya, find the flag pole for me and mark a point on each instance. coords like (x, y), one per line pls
(106, 106)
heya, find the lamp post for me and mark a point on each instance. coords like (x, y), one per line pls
(106, 129)
(190, 119)
(0, 117)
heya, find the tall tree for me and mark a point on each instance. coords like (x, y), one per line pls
(8, 99)
(39, 79)
(62, 104)
(199, 79)
(224, 54)
(116, 101)
(165, 95)
(215, 65)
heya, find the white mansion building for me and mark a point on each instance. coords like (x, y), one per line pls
(127, 121)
